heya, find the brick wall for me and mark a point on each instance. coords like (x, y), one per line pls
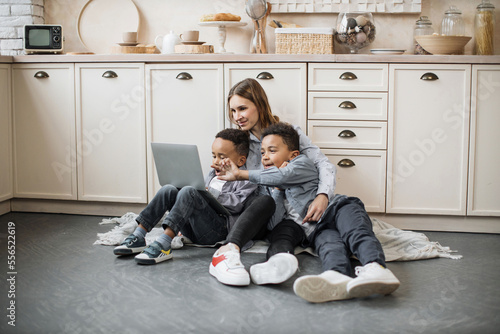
(14, 14)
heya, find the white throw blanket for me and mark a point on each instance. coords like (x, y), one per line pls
(398, 245)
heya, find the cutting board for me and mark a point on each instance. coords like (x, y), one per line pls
(194, 49)
(116, 49)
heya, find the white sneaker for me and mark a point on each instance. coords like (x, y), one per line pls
(328, 286)
(228, 269)
(372, 279)
(277, 269)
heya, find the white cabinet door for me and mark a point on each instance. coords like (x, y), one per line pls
(44, 131)
(361, 173)
(185, 105)
(484, 165)
(428, 138)
(111, 132)
(6, 188)
(285, 86)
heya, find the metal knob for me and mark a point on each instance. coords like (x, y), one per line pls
(265, 76)
(345, 163)
(109, 75)
(184, 76)
(41, 75)
(429, 76)
(347, 105)
(348, 76)
(347, 134)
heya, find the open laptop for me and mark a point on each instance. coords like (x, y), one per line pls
(180, 166)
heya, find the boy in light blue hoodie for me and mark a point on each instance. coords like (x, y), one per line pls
(344, 229)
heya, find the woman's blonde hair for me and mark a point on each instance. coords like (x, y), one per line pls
(250, 89)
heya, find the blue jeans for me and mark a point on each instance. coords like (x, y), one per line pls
(189, 214)
(345, 230)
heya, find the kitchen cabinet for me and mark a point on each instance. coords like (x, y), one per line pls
(428, 138)
(185, 105)
(44, 131)
(484, 161)
(347, 119)
(111, 132)
(6, 185)
(285, 85)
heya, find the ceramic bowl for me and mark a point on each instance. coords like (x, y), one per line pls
(443, 45)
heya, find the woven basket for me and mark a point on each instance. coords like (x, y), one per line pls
(304, 40)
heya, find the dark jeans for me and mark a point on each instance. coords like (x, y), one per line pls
(285, 237)
(346, 230)
(194, 217)
(189, 214)
(252, 223)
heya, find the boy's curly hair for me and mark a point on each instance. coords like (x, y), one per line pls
(286, 132)
(238, 137)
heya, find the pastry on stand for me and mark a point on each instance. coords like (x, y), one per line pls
(221, 21)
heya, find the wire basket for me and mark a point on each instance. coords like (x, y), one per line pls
(304, 40)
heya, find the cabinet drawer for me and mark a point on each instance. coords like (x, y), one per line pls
(348, 77)
(348, 106)
(356, 135)
(362, 174)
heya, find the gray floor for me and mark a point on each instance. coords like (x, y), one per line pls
(65, 284)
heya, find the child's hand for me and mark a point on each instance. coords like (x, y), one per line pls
(284, 164)
(228, 170)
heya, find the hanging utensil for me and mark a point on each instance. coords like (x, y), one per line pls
(258, 11)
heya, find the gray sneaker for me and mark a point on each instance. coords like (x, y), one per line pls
(154, 254)
(131, 245)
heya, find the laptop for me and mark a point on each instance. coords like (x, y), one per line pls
(180, 166)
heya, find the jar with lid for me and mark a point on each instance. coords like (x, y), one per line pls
(423, 26)
(453, 23)
(484, 27)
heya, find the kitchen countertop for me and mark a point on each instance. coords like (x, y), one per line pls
(227, 58)
(5, 59)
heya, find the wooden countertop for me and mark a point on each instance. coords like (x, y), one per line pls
(268, 58)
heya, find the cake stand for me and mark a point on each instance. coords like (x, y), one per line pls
(222, 30)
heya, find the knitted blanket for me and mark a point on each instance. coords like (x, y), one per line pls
(398, 245)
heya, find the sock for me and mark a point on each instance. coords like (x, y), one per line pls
(140, 232)
(165, 241)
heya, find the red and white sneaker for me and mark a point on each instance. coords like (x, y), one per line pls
(228, 269)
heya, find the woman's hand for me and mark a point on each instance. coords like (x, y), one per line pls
(316, 209)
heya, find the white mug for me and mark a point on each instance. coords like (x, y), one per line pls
(190, 36)
(129, 36)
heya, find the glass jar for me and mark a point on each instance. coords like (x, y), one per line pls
(453, 23)
(423, 26)
(484, 28)
(355, 30)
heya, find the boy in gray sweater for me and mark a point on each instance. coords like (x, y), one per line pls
(344, 229)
